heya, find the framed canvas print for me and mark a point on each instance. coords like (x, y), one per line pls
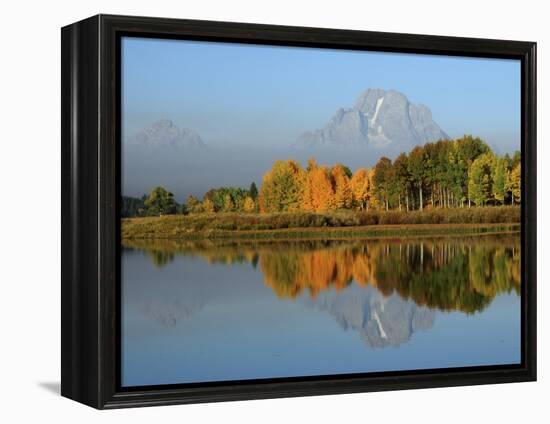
(253, 211)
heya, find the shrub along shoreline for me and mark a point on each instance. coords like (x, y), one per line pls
(335, 224)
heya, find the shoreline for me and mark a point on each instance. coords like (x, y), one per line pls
(331, 233)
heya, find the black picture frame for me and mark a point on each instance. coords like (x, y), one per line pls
(90, 134)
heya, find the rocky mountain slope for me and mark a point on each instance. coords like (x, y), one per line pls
(379, 118)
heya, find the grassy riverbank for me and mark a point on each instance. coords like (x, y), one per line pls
(324, 225)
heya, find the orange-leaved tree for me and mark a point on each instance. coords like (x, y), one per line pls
(343, 195)
(319, 193)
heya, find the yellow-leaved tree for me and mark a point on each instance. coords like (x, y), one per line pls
(282, 187)
(249, 205)
(208, 206)
(360, 187)
(228, 204)
(343, 196)
(513, 183)
(307, 195)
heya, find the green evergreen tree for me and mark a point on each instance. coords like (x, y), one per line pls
(253, 191)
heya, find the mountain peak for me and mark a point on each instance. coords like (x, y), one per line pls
(379, 118)
(163, 123)
(164, 133)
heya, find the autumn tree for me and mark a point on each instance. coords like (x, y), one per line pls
(513, 183)
(513, 178)
(343, 196)
(208, 206)
(361, 188)
(516, 159)
(282, 187)
(228, 204)
(500, 173)
(480, 184)
(307, 194)
(469, 149)
(193, 205)
(319, 195)
(249, 205)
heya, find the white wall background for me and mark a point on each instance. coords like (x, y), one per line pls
(30, 212)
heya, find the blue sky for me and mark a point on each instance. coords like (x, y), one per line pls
(264, 95)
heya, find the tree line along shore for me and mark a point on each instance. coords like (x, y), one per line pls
(458, 181)
(447, 174)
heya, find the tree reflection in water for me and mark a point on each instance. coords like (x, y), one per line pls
(450, 274)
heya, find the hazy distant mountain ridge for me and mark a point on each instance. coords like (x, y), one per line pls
(379, 118)
(165, 133)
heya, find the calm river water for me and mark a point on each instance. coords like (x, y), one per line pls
(205, 311)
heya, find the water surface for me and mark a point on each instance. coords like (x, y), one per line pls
(215, 311)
